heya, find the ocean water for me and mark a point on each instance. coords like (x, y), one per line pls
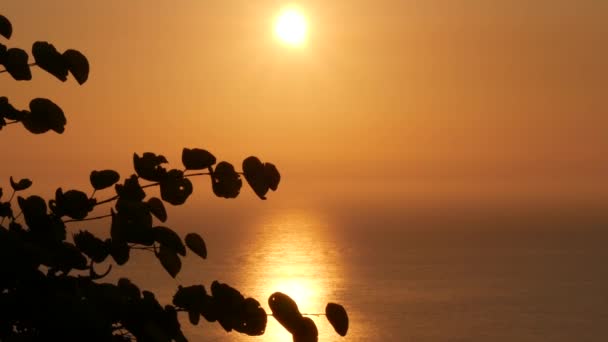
(405, 276)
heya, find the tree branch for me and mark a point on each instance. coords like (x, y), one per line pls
(88, 218)
(31, 65)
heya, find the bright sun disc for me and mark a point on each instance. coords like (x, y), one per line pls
(291, 27)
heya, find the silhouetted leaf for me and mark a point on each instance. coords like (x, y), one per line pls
(148, 166)
(75, 204)
(6, 29)
(285, 311)
(44, 116)
(119, 251)
(130, 190)
(118, 228)
(306, 332)
(5, 210)
(70, 257)
(273, 177)
(190, 297)
(157, 208)
(103, 179)
(175, 188)
(129, 289)
(77, 64)
(168, 238)
(16, 63)
(92, 246)
(49, 59)
(33, 207)
(253, 318)
(194, 317)
(195, 300)
(197, 159)
(170, 261)
(8, 111)
(196, 244)
(336, 315)
(261, 177)
(21, 185)
(3, 49)
(226, 182)
(132, 223)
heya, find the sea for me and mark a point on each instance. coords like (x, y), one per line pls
(420, 275)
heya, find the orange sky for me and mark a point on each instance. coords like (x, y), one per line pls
(500, 99)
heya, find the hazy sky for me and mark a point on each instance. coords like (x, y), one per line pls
(447, 97)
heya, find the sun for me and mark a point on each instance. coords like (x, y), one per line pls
(291, 27)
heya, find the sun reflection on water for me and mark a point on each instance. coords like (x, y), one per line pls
(293, 253)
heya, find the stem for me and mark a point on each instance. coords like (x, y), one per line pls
(9, 200)
(305, 314)
(31, 64)
(197, 174)
(107, 200)
(88, 218)
(142, 248)
(113, 198)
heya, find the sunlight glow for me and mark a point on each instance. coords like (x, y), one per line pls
(294, 251)
(291, 27)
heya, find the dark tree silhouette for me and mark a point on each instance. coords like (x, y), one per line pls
(50, 287)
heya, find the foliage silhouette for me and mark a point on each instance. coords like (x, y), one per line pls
(49, 286)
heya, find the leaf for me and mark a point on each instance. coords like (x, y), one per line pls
(261, 177)
(196, 244)
(21, 185)
(49, 59)
(148, 166)
(119, 251)
(190, 297)
(175, 188)
(285, 311)
(103, 179)
(336, 315)
(8, 111)
(194, 317)
(307, 331)
(70, 257)
(130, 190)
(32, 207)
(6, 210)
(170, 261)
(129, 289)
(75, 204)
(254, 318)
(272, 175)
(168, 238)
(157, 208)
(45, 115)
(197, 159)
(77, 64)
(92, 246)
(2, 53)
(132, 223)
(6, 29)
(16, 63)
(226, 182)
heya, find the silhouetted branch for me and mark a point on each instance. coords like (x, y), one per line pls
(88, 218)
(31, 65)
